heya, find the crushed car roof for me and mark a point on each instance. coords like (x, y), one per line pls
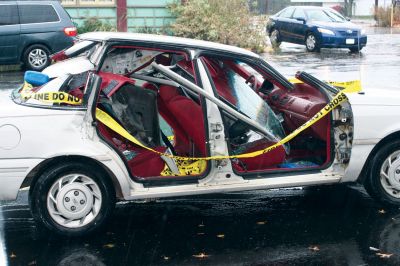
(127, 36)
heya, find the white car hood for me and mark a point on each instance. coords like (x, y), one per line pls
(74, 65)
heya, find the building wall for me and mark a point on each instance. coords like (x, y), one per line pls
(148, 15)
(126, 15)
(79, 14)
(364, 7)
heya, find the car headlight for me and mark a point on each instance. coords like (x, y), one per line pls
(363, 31)
(326, 31)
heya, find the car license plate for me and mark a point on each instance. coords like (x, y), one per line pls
(350, 41)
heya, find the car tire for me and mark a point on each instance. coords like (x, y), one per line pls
(383, 181)
(355, 50)
(312, 43)
(275, 38)
(72, 199)
(36, 57)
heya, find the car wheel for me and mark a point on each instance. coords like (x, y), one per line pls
(36, 57)
(355, 50)
(383, 181)
(72, 199)
(275, 38)
(312, 43)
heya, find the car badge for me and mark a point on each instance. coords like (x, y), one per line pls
(349, 31)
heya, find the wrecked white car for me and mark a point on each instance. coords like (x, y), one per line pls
(135, 116)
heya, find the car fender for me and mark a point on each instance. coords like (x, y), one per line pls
(376, 117)
(59, 133)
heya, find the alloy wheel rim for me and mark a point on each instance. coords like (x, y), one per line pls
(74, 200)
(311, 42)
(390, 174)
(37, 57)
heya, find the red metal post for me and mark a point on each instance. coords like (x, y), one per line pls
(122, 20)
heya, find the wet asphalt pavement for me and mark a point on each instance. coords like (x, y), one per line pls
(317, 226)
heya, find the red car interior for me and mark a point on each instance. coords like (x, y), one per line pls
(185, 116)
(189, 116)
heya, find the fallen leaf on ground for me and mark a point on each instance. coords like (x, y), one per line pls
(314, 248)
(221, 236)
(12, 256)
(166, 258)
(201, 225)
(201, 256)
(374, 249)
(384, 255)
(200, 234)
(109, 246)
(261, 222)
(382, 211)
(32, 263)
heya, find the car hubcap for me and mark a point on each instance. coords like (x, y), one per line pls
(311, 42)
(37, 58)
(74, 200)
(390, 175)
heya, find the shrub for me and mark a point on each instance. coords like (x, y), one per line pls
(95, 24)
(383, 16)
(224, 21)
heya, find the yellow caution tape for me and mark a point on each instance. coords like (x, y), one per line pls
(49, 97)
(186, 168)
(353, 86)
(186, 165)
(108, 121)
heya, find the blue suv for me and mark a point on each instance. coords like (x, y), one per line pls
(32, 30)
(316, 28)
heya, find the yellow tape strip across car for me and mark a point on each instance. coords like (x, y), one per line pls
(108, 121)
(49, 97)
(186, 165)
(352, 86)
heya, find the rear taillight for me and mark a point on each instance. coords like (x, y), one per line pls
(70, 31)
(59, 56)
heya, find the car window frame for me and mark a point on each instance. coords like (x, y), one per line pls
(39, 4)
(18, 18)
(285, 10)
(302, 10)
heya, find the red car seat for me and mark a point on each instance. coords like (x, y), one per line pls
(188, 115)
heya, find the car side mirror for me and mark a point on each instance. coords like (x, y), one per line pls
(347, 18)
(301, 19)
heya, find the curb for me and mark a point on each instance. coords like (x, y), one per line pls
(8, 68)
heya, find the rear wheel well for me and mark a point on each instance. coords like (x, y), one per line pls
(32, 177)
(366, 168)
(31, 44)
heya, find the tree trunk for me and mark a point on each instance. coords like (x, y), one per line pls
(376, 10)
(350, 9)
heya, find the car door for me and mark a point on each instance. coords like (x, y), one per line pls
(9, 33)
(298, 27)
(284, 22)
